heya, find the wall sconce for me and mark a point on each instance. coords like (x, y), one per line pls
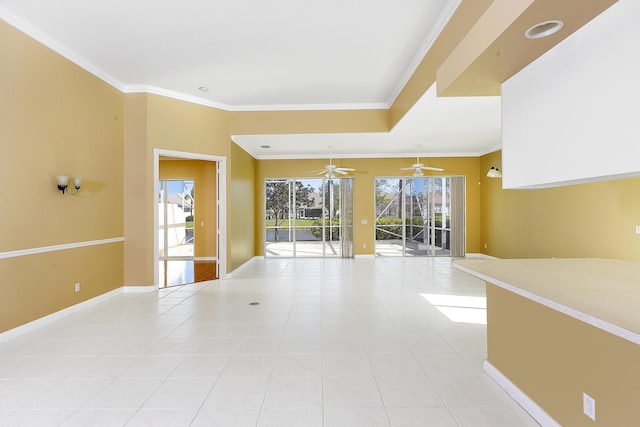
(495, 171)
(63, 183)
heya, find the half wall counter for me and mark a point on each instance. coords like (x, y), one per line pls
(562, 329)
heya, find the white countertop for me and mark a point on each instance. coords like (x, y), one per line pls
(602, 292)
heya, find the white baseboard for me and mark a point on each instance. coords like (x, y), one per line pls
(242, 267)
(28, 327)
(479, 255)
(539, 414)
(138, 289)
(364, 256)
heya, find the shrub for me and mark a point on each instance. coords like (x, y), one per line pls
(328, 231)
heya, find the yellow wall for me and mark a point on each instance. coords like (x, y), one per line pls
(587, 220)
(55, 118)
(158, 122)
(242, 198)
(203, 173)
(323, 121)
(366, 171)
(138, 195)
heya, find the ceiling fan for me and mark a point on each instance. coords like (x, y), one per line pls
(330, 170)
(418, 167)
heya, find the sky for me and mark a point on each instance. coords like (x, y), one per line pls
(176, 186)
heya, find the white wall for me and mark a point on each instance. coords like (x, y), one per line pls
(573, 115)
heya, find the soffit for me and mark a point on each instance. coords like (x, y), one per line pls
(479, 67)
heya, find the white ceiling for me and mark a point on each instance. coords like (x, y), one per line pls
(272, 54)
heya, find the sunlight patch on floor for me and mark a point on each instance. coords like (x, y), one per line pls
(460, 308)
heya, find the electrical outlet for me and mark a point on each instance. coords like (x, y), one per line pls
(364, 246)
(78, 287)
(485, 246)
(637, 229)
(589, 406)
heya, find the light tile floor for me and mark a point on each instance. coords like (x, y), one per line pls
(332, 343)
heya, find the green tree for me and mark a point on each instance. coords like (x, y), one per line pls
(279, 200)
(387, 192)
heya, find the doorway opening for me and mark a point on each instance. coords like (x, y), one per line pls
(189, 238)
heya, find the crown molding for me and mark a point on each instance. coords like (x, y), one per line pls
(311, 107)
(362, 156)
(492, 149)
(175, 95)
(59, 48)
(424, 48)
(240, 108)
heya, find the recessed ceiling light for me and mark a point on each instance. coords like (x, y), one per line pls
(265, 146)
(544, 29)
(203, 89)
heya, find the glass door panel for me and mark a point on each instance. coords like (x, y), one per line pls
(278, 232)
(304, 217)
(389, 216)
(309, 196)
(176, 219)
(331, 221)
(413, 216)
(417, 211)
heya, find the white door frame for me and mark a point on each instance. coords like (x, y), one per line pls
(221, 217)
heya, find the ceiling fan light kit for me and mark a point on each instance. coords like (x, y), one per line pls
(418, 167)
(330, 170)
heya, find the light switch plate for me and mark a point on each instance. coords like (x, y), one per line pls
(589, 406)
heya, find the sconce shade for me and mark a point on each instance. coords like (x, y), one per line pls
(494, 172)
(63, 183)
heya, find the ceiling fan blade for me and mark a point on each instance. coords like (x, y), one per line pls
(316, 171)
(340, 171)
(407, 169)
(346, 169)
(429, 168)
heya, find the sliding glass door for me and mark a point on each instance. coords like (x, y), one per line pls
(308, 217)
(414, 216)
